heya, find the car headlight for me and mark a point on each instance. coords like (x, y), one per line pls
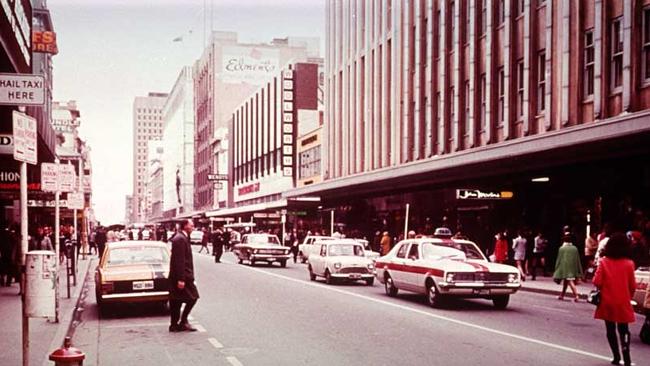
(337, 265)
(450, 277)
(254, 251)
(513, 277)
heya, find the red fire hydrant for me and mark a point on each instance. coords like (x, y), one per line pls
(68, 355)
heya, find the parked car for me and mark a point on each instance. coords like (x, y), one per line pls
(443, 267)
(307, 247)
(196, 237)
(132, 271)
(340, 259)
(261, 248)
(642, 275)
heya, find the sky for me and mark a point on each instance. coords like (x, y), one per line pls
(111, 51)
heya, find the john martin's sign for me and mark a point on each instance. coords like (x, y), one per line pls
(476, 194)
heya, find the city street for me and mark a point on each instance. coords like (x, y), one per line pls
(272, 316)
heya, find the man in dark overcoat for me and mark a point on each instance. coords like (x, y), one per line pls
(181, 280)
(217, 245)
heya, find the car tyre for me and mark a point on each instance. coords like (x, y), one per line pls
(389, 286)
(328, 277)
(370, 281)
(501, 302)
(312, 276)
(283, 264)
(433, 296)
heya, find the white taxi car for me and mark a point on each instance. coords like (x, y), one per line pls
(340, 259)
(445, 267)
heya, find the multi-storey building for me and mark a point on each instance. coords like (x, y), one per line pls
(153, 181)
(544, 100)
(128, 209)
(178, 143)
(226, 73)
(147, 126)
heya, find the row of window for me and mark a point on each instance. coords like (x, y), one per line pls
(149, 110)
(309, 163)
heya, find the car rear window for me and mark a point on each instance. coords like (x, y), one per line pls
(346, 249)
(137, 255)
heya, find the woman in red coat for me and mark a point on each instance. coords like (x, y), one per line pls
(615, 279)
(500, 249)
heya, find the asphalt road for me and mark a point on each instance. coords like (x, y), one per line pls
(276, 316)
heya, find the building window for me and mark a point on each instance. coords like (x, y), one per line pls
(310, 163)
(501, 12)
(520, 88)
(482, 94)
(588, 74)
(468, 25)
(541, 81)
(520, 7)
(467, 101)
(484, 16)
(501, 87)
(452, 20)
(646, 44)
(616, 70)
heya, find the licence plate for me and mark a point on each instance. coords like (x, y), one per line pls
(355, 275)
(143, 285)
(270, 259)
(482, 291)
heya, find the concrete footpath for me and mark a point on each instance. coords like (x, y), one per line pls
(545, 285)
(44, 335)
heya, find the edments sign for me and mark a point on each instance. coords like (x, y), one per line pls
(476, 194)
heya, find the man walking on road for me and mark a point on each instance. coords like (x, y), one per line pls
(217, 245)
(181, 280)
(204, 241)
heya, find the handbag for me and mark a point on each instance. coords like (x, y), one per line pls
(594, 297)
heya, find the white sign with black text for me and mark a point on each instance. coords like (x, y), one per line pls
(49, 177)
(24, 138)
(67, 178)
(6, 144)
(22, 89)
(75, 200)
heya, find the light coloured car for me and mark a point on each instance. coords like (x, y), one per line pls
(261, 248)
(132, 271)
(307, 247)
(443, 267)
(368, 252)
(196, 237)
(642, 275)
(340, 259)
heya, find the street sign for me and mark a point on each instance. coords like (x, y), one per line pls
(22, 89)
(6, 144)
(218, 185)
(67, 178)
(217, 176)
(75, 200)
(24, 138)
(49, 177)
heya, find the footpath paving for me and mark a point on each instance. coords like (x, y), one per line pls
(545, 285)
(44, 334)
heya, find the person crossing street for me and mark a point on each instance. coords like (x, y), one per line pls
(181, 279)
(218, 242)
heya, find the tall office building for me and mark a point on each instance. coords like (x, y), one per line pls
(147, 126)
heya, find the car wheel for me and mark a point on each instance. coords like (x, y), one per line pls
(312, 276)
(433, 296)
(501, 302)
(389, 286)
(283, 264)
(370, 281)
(328, 277)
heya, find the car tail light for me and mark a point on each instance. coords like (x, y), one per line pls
(107, 287)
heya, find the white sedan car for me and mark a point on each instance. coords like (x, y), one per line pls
(341, 259)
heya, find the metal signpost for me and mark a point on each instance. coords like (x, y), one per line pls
(24, 129)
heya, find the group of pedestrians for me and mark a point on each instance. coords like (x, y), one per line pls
(218, 238)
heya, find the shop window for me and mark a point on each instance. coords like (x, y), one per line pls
(482, 94)
(541, 81)
(588, 72)
(616, 65)
(646, 45)
(501, 88)
(520, 88)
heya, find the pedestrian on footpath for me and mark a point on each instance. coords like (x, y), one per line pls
(615, 279)
(385, 243)
(293, 240)
(204, 242)
(567, 267)
(181, 280)
(217, 245)
(519, 249)
(500, 249)
(591, 246)
(100, 240)
(539, 254)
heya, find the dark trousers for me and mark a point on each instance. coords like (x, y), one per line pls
(204, 246)
(175, 309)
(217, 250)
(624, 335)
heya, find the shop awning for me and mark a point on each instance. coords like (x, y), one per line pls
(247, 209)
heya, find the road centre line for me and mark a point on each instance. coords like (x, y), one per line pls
(435, 316)
(234, 361)
(215, 343)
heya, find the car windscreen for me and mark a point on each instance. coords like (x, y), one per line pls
(345, 249)
(261, 239)
(136, 255)
(470, 250)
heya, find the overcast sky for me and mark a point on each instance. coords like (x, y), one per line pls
(111, 51)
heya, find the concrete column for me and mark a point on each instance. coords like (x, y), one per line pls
(345, 122)
(548, 116)
(507, 67)
(442, 67)
(459, 85)
(396, 133)
(527, 47)
(385, 72)
(377, 111)
(473, 66)
(367, 111)
(418, 89)
(430, 96)
(627, 54)
(598, 62)
(489, 74)
(406, 79)
(566, 54)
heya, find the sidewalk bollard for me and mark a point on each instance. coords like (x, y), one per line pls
(68, 355)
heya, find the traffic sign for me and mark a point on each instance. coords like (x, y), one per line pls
(67, 178)
(22, 89)
(49, 177)
(24, 138)
(75, 200)
(217, 176)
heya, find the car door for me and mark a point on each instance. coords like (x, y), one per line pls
(318, 260)
(413, 275)
(398, 265)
